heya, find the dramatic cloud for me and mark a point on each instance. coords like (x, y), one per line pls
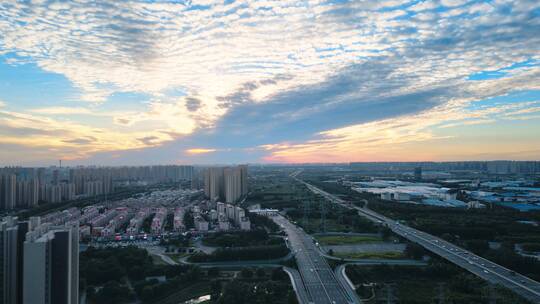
(310, 80)
(62, 110)
(364, 141)
(199, 151)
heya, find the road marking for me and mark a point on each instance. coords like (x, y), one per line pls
(377, 217)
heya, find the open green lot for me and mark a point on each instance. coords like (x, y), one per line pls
(439, 282)
(370, 255)
(346, 239)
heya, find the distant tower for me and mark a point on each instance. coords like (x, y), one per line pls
(60, 163)
(56, 177)
(418, 173)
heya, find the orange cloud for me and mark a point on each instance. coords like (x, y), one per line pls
(199, 151)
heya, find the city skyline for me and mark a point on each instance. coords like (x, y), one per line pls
(208, 82)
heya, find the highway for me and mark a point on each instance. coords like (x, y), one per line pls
(318, 279)
(298, 285)
(475, 264)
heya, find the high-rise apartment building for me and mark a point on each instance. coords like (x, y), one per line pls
(244, 179)
(8, 191)
(226, 183)
(233, 184)
(12, 236)
(27, 193)
(213, 183)
(32, 193)
(51, 265)
(9, 255)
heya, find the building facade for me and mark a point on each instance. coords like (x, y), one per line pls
(228, 184)
(51, 265)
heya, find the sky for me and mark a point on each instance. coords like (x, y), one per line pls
(207, 82)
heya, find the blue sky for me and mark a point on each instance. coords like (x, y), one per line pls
(148, 82)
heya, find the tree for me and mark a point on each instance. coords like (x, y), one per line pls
(215, 290)
(236, 292)
(531, 247)
(193, 273)
(213, 272)
(260, 273)
(246, 273)
(188, 220)
(330, 252)
(385, 232)
(112, 293)
(291, 298)
(147, 293)
(477, 246)
(278, 274)
(414, 251)
(448, 237)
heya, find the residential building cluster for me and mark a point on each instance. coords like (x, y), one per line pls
(135, 224)
(218, 216)
(227, 184)
(22, 188)
(124, 219)
(40, 262)
(178, 219)
(26, 187)
(151, 174)
(159, 220)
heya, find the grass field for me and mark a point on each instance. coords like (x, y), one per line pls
(347, 240)
(314, 225)
(369, 255)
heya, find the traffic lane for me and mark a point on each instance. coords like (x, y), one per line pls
(470, 258)
(524, 290)
(490, 275)
(311, 282)
(441, 244)
(481, 270)
(317, 274)
(300, 289)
